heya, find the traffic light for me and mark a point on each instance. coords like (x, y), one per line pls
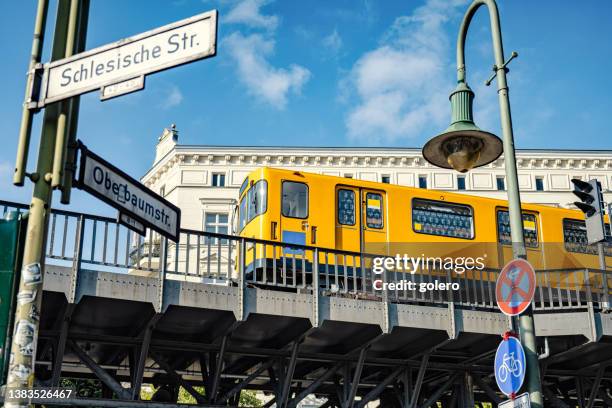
(592, 205)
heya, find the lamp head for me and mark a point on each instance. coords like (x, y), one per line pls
(463, 145)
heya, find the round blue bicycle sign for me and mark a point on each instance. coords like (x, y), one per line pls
(510, 366)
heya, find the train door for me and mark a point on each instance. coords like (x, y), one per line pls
(374, 222)
(294, 221)
(348, 219)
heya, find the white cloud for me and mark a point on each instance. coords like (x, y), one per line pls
(251, 54)
(174, 98)
(247, 12)
(333, 42)
(403, 85)
(5, 171)
(263, 80)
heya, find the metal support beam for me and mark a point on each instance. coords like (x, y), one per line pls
(595, 386)
(58, 358)
(553, 400)
(380, 387)
(110, 403)
(270, 403)
(238, 387)
(434, 397)
(188, 387)
(487, 389)
(356, 377)
(105, 377)
(144, 352)
(419, 382)
(289, 374)
(468, 390)
(314, 385)
(212, 397)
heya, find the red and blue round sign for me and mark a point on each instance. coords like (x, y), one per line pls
(515, 287)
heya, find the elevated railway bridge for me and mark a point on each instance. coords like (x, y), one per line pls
(126, 311)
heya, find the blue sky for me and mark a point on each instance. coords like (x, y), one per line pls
(333, 73)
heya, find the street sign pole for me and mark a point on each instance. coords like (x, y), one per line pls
(25, 130)
(27, 313)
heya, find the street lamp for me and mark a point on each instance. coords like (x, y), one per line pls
(464, 146)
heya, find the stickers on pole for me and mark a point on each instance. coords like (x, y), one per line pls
(510, 365)
(522, 401)
(515, 287)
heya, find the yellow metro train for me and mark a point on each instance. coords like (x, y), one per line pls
(367, 217)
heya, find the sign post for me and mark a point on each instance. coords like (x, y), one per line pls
(116, 69)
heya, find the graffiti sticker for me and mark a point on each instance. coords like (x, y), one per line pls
(31, 274)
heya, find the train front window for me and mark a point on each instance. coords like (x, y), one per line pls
(530, 229)
(346, 207)
(254, 203)
(295, 199)
(374, 210)
(444, 219)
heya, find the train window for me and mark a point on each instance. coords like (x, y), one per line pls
(243, 186)
(374, 210)
(530, 229)
(295, 199)
(243, 214)
(346, 207)
(254, 203)
(444, 219)
(575, 238)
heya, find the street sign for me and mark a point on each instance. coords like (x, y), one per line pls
(126, 60)
(131, 223)
(522, 401)
(510, 365)
(114, 187)
(515, 287)
(122, 88)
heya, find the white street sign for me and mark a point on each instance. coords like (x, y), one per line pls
(131, 223)
(522, 401)
(122, 88)
(165, 47)
(111, 185)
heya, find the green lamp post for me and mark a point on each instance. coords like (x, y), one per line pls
(464, 146)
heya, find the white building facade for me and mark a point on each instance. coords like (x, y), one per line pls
(203, 181)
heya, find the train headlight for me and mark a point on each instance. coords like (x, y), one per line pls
(463, 145)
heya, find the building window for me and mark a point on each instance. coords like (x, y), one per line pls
(346, 207)
(348, 175)
(216, 222)
(440, 218)
(218, 179)
(501, 183)
(162, 191)
(385, 178)
(422, 181)
(295, 200)
(460, 182)
(539, 183)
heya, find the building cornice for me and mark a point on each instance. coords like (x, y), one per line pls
(360, 157)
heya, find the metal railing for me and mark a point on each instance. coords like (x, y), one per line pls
(100, 243)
